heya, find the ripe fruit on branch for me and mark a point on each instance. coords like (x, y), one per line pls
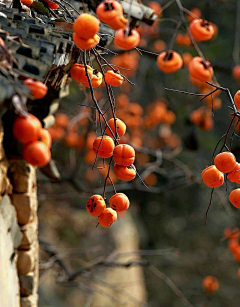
(78, 72)
(236, 72)
(52, 4)
(169, 61)
(210, 284)
(234, 198)
(27, 129)
(108, 10)
(45, 137)
(234, 175)
(127, 42)
(124, 155)
(126, 173)
(108, 217)
(103, 146)
(237, 99)
(37, 88)
(119, 202)
(96, 205)
(200, 70)
(86, 44)
(37, 153)
(86, 26)
(201, 29)
(120, 22)
(113, 78)
(96, 80)
(212, 177)
(120, 125)
(225, 162)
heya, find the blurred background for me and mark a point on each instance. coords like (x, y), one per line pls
(160, 250)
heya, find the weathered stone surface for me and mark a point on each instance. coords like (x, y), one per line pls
(29, 301)
(29, 232)
(26, 284)
(26, 207)
(26, 261)
(22, 176)
(5, 186)
(10, 238)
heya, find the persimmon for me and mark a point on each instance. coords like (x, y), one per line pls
(37, 88)
(126, 173)
(124, 154)
(210, 284)
(127, 42)
(187, 57)
(234, 175)
(225, 161)
(201, 29)
(236, 72)
(56, 132)
(183, 39)
(27, 129)
(62, 120)
(78, 72)
(237, 99)
(135, 109)
(96, 80)
(116, 124)
(196, 81)
(159, 46)
(37, 153)
(103, 146)
(113, 78)
(195, 14)
(86, 44)
(72, 139)
(27, 2)
(45, 137)
(169, 117)
(119, 202)
(200, 69)
(96, 205)
(120, 22)
(234, 198)
(212, 177)
(215, 104)
(86, 26)
(169, 61)
(108, 217)
(151, 179)
(154, 5)
(52, 4)
(233, 244)
(108, 10)
(122, 100)
(232, 233)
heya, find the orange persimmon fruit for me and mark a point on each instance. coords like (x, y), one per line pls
(234, 198)
(200, 69)
(225, 161)
(103, 146)
(169, 61)
(27, 129)
(86, 26)
(126, 173)
(118, 125)
(201, 29)
(119, 202)
(212, 177)
(127, 42)
(96, 205)
(113, 78)
(37, 153)
(124, 154)
(37, 88)
(210, 284)
(108, 217)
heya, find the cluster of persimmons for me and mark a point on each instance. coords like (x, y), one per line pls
(213, 176)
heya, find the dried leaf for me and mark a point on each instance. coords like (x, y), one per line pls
(64, 26)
